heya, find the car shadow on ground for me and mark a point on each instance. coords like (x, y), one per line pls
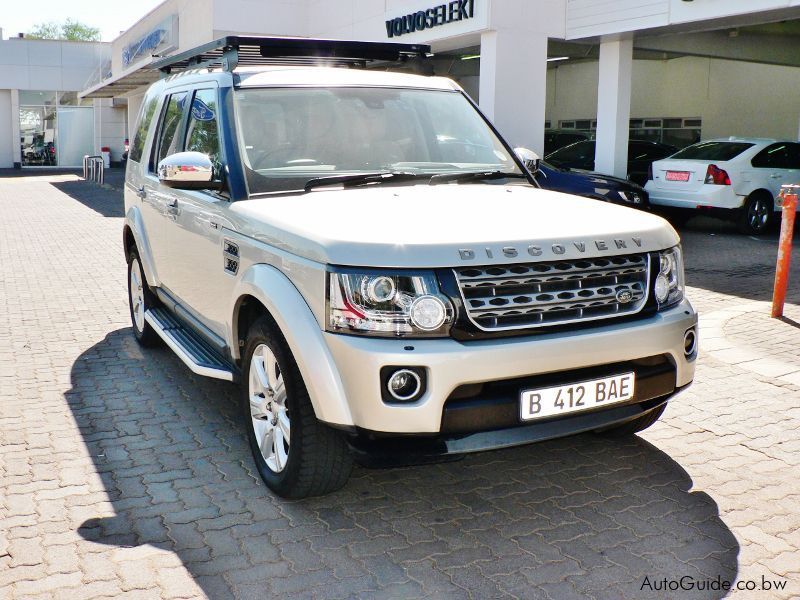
(108, 202)
(574, 517)
(714, 260)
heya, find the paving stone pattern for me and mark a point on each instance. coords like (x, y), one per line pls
(123, 475)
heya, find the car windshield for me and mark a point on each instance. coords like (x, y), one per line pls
(291, 136)
(713, 151)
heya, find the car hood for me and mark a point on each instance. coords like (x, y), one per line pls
(447, 225)
(603, 179)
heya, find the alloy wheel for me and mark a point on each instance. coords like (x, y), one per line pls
(267, 394)
(137, 294)
(758, 214)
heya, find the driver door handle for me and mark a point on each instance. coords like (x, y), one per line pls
(171, 209)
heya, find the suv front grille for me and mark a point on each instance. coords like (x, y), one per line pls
(503, 297)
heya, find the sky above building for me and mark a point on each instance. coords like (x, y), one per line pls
(111, 17)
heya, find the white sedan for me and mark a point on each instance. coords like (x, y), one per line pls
(734, 177)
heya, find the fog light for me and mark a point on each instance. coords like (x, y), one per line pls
(662, 288)
(403, 385)
(428, 313)
(689, 343)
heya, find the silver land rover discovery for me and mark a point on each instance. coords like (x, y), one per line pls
(376, 268)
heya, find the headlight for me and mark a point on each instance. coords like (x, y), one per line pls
(630, 197)
(387, 304)
(669, 286)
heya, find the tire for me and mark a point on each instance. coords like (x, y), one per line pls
(757, 215)
(140, 299)
(636, 425)
(298, 456)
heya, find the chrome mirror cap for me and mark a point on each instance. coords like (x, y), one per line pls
(189, 170)
(529, 158)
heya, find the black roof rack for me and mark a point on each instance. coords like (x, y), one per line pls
(232, 51)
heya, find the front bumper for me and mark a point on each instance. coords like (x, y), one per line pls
(714, 196)
(451, 364)
(401, 451)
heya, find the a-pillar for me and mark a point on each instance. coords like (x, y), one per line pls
(134, 104)
(614, 106)
(513, 85)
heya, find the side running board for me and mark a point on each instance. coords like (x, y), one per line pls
(195, 352)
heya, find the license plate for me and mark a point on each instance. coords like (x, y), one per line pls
(678, 175)
(565, 399)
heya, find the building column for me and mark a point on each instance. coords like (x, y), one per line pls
(513, 85)
(16, 149)
(614, 107)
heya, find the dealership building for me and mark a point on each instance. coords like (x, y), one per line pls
(664, 70)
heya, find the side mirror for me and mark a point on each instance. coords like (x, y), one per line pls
(529, 158)
(187, 171)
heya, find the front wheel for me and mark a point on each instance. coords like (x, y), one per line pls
(296, 455)
(757, 214)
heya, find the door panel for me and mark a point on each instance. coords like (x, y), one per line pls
(157, 200)
(196, 268)
(777, 165)
(790, 174)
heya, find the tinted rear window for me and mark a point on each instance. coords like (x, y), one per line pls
(713, 151)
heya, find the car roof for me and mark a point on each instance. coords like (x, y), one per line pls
(321, 76)
(566, 131)
(745, 140)
(337, 76)
(584, 142)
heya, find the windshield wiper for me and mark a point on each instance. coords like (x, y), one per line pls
(364, 179)
(474, 176)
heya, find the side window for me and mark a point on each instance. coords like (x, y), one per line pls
(169, 130)
(637, 151)
(202, 134)
(794, 156)
(145, 118)
(775, 156)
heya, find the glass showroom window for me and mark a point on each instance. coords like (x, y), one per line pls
(56, 129)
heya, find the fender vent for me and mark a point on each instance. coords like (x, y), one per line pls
(230, 256)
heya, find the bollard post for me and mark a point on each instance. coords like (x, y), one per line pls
(788, 197)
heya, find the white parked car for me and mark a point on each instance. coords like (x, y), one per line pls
(739, 178)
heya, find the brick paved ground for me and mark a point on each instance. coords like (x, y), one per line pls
(124, 475)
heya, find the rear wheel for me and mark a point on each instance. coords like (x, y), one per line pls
(140, 300)
(296, 455)
(635, 425)
(757, 214)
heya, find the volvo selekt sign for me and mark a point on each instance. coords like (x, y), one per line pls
(457, 10)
